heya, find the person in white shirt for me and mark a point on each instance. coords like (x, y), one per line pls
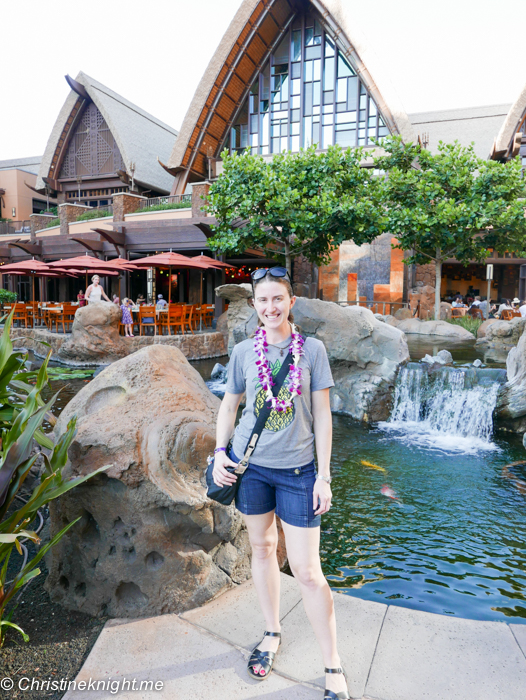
(457, 304)
(161, 303)
(522, 309)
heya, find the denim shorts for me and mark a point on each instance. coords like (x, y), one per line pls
(287, 491)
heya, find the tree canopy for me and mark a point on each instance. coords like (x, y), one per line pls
(451, 204)
(295, 203)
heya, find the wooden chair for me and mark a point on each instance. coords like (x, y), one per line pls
(457, 313)
(174, 317)
(475, 312)
(207, 311)
(189, 316)
(56, 316)
(147, 312)
(508, 314)
(69, 311)
(22, 315)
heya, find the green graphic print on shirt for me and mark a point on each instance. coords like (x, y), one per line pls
(278, 420)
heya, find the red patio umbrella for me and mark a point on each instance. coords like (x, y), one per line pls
(85, 264)
(168, 261)
(212, 262)
(32, 268)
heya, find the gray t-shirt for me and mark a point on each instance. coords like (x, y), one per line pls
(287, 439)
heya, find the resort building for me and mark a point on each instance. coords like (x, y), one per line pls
(286, 74)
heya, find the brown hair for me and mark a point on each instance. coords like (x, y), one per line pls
(270, 278)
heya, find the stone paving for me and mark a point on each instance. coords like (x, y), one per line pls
(388, 652)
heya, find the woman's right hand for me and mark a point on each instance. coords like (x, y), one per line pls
(220, 475)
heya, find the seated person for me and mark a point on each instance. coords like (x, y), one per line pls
(505, 305)
(458, 304)
(515, 304)
(161, 303)
(522, 309)
(476, 301)
(140, 300)
(483, 306)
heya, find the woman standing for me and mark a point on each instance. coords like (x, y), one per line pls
(281, 478)
(95, 291)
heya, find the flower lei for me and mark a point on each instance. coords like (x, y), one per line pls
(265, 373)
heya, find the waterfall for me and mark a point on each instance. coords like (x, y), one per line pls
(446, 408)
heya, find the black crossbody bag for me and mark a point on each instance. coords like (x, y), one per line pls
(226, 494)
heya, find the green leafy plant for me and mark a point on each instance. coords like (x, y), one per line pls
(468, 322)
(7, 297)
(96, 214)
(22, 413)
(53, 222)
(304, 203)
(167, 205)
(450, 204)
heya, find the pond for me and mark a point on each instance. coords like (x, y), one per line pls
(430, 524)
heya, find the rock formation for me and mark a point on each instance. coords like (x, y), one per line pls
(149, 541)
(511, 408)
(95, 335)
(502, 335)
(364, 353)
(413, 326)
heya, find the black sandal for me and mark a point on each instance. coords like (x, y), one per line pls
(330, 694)
(264, 658)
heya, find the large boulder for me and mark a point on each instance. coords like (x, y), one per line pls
(364, 353)
(149, 540)
(241, 317)
(503, 335)
(414, 326)
(483, 328)
(511, 408)
(95, 335)
(424, 299)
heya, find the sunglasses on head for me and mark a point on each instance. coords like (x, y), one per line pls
(274, 271)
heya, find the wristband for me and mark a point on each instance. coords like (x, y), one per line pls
(219, 449)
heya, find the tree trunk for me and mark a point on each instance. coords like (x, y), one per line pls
(288, 259)
(438, 283)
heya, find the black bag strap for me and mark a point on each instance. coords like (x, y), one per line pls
(264, 414)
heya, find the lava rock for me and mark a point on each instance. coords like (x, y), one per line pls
(149, 540)
(219, 372)
(477, 363)
(444, 357)
(95, 335)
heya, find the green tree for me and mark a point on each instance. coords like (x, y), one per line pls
(295, 203)
(451, 204)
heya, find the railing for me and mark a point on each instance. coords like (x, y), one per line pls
(378, 307)
(11, 227)
(174, 201)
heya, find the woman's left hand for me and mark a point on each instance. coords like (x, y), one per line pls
(322, 496)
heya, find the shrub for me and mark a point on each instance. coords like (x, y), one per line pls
(22, 413)
(53, 222)
(96, 214)
(7, 297)
(470, 324)
(168, 205)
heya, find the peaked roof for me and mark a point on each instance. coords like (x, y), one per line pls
(514, 118)
(141, 137)
(246, 45)
(478, 124)
(30, 165)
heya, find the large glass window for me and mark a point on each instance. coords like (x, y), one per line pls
(307, 93)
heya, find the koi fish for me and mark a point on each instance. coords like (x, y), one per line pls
(373, 466)
(388, 491)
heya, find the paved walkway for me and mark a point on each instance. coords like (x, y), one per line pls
(389, 653)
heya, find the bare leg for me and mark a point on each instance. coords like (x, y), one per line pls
(303, 549)
(263, 535)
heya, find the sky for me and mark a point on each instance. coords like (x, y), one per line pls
(438, 55)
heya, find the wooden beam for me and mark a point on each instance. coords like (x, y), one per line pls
(29, 248)
(94, 246)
